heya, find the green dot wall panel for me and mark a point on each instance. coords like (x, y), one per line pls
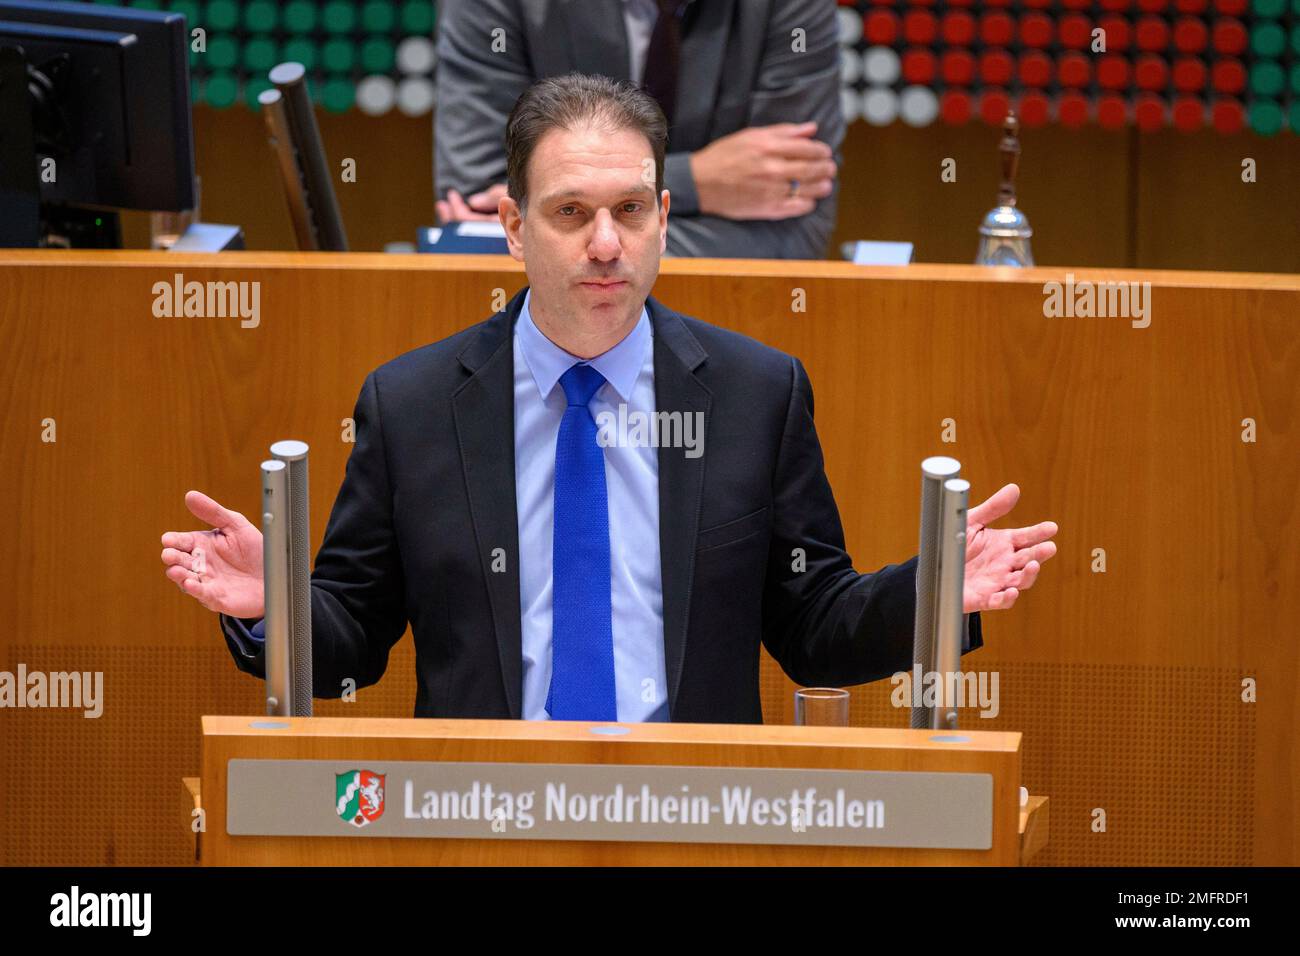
(372, 55)
(1224, 64)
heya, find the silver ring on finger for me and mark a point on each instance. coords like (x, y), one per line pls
(794, 188)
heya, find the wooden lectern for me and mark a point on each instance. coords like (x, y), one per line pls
(276, 749)
(248, 763)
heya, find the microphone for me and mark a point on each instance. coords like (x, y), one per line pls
(286, 580)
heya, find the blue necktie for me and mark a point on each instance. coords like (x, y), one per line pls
(582, 635)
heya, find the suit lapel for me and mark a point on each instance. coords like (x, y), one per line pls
(598, 43)
(484, 411)
(597, 38)
(677, 354)
(703, 50)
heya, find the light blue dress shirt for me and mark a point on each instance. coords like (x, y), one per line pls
(632, 483)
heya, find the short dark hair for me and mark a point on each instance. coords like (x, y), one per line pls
(570, 101)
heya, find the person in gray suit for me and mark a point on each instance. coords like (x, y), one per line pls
(753, 105)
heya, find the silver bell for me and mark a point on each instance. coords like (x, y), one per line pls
(1005, 230)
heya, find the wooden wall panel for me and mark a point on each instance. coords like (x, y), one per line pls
(1166, 200)
(1126, 684)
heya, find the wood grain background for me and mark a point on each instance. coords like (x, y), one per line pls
(1164, 200)
(1126, 684)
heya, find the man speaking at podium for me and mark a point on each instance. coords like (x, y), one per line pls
(552, 562)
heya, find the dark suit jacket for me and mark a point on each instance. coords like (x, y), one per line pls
(742, 64)
(429, 494)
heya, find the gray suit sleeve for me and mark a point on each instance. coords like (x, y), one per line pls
(795, 83)
(803, 237)
(800, 81)
(679, 182)
(477, 87)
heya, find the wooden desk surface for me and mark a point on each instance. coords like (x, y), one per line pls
(431, 728)
(383, 742)
(712, 268)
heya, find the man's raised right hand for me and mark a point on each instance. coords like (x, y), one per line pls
(221, 568)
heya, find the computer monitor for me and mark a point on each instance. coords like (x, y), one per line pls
(107, 108)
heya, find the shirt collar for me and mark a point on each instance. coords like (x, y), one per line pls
(621, 365)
